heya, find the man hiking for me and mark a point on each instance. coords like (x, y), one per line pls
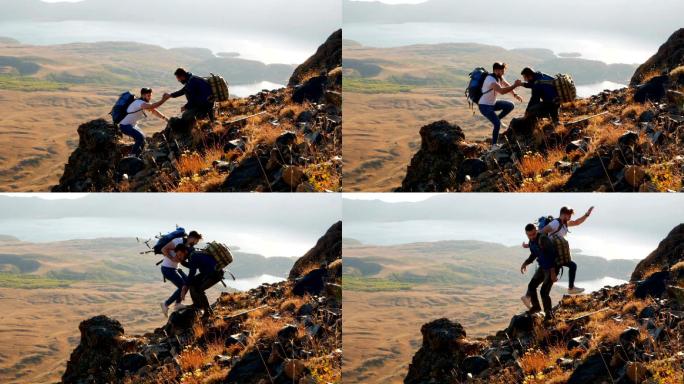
(496, 84)
(544, 101)
(559, 228)
(135, 112)
(198, 93)
(541, 249)
(170, 270)
(197, 284)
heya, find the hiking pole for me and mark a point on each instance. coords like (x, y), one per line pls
(585, 118)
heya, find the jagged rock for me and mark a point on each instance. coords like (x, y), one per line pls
(285, 139)
(327, 57)
(472, 168)
(592, 370)
(474, 365)
(654, 90)
(435, 166)
(247, 174)
(95, 358)
(327, 250)
(647, 312)
(669, 252)
(520, 326)
(287, 333)
(181, 320)
(248, 367)
(578, 342)
(589, 176)
(440, 356)
(311, 283)
(670, 55)
(132, 362)
(334, 291)
(335, 270)
(647, 116)
(653, 286)
(629, 336)
(311, 90)
(231, 145)
(577, 145)
(131, 166)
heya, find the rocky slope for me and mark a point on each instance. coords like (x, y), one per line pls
(277, 333)
(618, 141)
(632, 333)
(282, 140)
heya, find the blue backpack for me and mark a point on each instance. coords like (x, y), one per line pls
(165, 239)
(474, 90)
(120, 109)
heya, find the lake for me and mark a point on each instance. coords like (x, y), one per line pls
(593, 285)
(608, 243)
(252, 89)
(232, 232)
(604, 47)
(250, 283)
(594, 89)
(267, 48)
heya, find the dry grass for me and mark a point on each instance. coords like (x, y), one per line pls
(533, 165)
(650, 75)
(667, 371)
(633, 111)
(292, 111)
(323, 177)
(651, 270)
(666, 177)
(191, 164)
(635, 306)
(192, 359)
(534, 362)
(678, 266)
(325, 370)
(293, 304)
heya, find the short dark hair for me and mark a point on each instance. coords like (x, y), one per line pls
(530, 227)
(499, 65)
(567, 210)
(180, 72)
(181, 248)
(527, 71)
(195, 234)
(145, 91)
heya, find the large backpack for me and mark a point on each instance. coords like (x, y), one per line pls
(120, 109)
(565, 87)
(220, 253)
(474, 91)
(165, 239)
(561, 245)
(219, 88)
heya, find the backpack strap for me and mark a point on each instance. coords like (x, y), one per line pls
(560, 226)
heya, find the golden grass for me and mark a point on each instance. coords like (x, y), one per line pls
(667, 371)
(678, 266)
(191, 164)
(667, 176)
(192, 359)
(325, 370)
(650, 75)
(323, 177)
(533, 165)
(533, 362)
(635, 306)
(633, 111)
(293, 304)
(292, 111)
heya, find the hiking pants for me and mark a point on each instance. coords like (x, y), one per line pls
(489, 111)
(190, 115)
(572, 272)
(178, 278)
(541, 276)
(201, 283)
(544, 109)
(137, 134)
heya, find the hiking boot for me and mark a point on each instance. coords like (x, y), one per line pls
(534, 310)
(165, 309)
(494, 148)
(575, 290)
(527, 301)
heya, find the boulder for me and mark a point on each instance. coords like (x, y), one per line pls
(653, 286)
(654, 90)
(592, 370)
(312, 90)
(97, 355)
(132, 362)
(629, 336)
(520, 326)
(249, 366)
(474, 365)
(328, 249)
(440, 357)
(181, 320)
(669, 252)
(588, 176)
(312, 283)
(636, 372)
(327, 57)
(131, 166)
(246, 175)
(472, 168)
(670, 55)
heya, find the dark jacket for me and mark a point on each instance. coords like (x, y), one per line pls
(201, 261)
(198, 92)
(542, 249)
(541, 92)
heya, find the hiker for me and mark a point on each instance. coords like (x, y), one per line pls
(544, 101)
(496, 84)
(170, 270)
(541, 249)
(557, 230)
(209, 275)
(199, 95)
(135, 112)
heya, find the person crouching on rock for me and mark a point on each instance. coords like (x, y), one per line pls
(544, 100)
(541, 249)
(136, 112)
(198, 93)
(496, 84)
(170, 270)
(197, 284)
(557, 230)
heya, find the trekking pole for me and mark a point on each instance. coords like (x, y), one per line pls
(585, 118)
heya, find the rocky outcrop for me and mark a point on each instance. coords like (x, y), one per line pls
(327, 57)
(626, 334)
(326, 251)
(276, 333)
(670, 251)
(669, 56)
(282, 140)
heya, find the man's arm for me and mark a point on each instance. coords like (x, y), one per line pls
(527, 262)
(159, 114)
(178, 93)
(504, 90)
(574, 223)
(166, 250)
(515, 94)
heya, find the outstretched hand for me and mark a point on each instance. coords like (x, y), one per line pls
(523, 269)
(526, 245)
(518, 83)
(589, 211)
(166, 96)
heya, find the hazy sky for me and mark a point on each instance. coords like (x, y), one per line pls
(268, 224)
(622, 225)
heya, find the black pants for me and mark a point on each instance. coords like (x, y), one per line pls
(541, 276)
(544, 109)
(572, 272)
(192, 114)
(201, 283)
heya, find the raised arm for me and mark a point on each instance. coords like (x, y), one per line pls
(574, 223)
(504, 90)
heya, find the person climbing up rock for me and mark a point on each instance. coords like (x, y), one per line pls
(557, 231)
(494, 84)
(542, 250)
(170, 270)
(544, 101)
(136, 112)
(209, 275)
(198, 93)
